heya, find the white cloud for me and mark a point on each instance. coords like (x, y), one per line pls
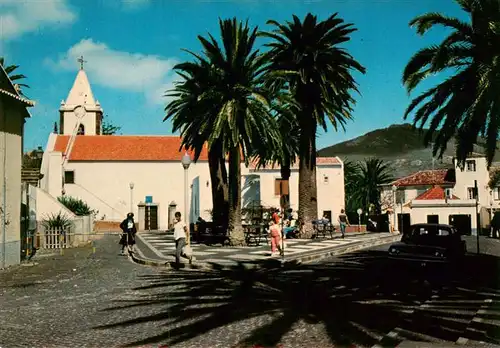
(20, 17)
(149, 74)
(134, 4)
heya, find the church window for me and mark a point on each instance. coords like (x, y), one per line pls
(69, 176)
(81, 130)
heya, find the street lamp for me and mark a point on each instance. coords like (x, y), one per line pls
(186, 162)
(359, 211)
(131, 185)
(394, 189)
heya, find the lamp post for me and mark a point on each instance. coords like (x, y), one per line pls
(186, 162)
(394, 189)
(359, 211)
(131, 185)
(491, 212)
(476, 194)
(38, 156)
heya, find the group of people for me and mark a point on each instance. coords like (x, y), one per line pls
(181, 235)
(277, 231)
(290, 229)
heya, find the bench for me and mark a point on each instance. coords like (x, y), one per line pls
(255, 233)
(321, 229)
(209, 234)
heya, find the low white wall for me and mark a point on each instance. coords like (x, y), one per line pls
(82, 228)
(47, 205)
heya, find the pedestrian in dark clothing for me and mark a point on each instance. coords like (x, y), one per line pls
(128, 233)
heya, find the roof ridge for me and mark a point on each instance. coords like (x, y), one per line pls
(408, 176)
(125, 135)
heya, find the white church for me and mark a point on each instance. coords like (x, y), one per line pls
(116, 174)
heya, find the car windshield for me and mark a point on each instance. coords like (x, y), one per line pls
(429, 231)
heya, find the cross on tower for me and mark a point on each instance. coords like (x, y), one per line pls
(81, 61)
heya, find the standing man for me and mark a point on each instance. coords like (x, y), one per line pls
(343, 221)
(180, 236)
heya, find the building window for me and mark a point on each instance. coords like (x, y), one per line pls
(496, 193)
(325, 179)
(471, 193)
(470, 165)
(69, 177)
(448, 193)
(81, 130)
(280, 187)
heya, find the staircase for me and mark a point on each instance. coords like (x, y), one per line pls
(31, 176)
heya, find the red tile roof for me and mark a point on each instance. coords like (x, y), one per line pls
(319, 161)
(426, 177)
(124, 148)
(436, 192)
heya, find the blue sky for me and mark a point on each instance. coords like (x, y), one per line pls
(131, 46)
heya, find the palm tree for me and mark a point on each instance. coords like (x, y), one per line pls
(367, 178)
(195, 121)
(351, 178)
(14, 77)
(465, 103)
(286, 148)
(308, 59)
(236, 105)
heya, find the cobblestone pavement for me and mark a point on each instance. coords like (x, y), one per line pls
(103, 300)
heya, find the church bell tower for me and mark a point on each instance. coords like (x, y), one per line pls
(80, 113)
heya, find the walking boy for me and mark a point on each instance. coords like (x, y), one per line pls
(180, 235)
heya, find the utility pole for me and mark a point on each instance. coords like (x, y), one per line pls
(476, 194)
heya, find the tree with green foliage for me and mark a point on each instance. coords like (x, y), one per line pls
(195, 122)
(362, 183)
(108, 128)
(237, 105)
(287, 149)
(76, 205)
(14, 77)
(464, 103)
(307, 57)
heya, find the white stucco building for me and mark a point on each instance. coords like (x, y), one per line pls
(116, 174)
(13, 112)
(444, 196)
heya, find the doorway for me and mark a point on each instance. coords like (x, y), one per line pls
(404, 222)
(432, 219)
(462, 222)
(151, 217)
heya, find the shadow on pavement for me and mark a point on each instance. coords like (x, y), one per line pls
(359, 299)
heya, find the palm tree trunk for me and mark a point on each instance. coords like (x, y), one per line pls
(308, 202)
(285, 171)
(235, 229)
(218, 177)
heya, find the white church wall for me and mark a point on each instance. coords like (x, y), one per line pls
(55, 174)
(45, 166)
(105, 186)
(330, 185)
(47, 204)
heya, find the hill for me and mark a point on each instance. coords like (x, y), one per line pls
(402, 145)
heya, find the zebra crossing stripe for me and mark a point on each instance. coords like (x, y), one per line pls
(150, 246)
(476, 319)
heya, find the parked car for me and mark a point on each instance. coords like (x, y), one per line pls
(429, 243)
